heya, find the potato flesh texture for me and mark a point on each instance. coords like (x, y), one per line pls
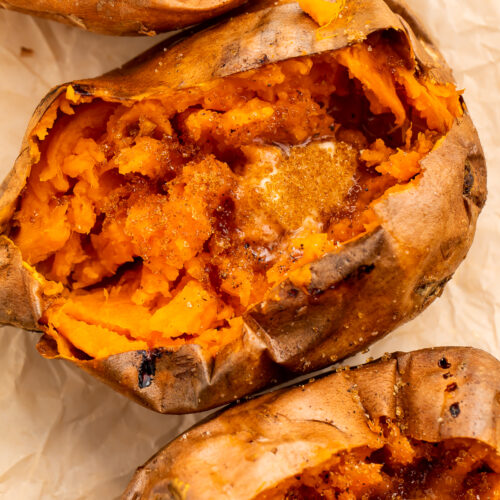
(115, 183)
(401, 469)
(322, 11)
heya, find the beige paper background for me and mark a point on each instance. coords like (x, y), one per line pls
(64, 435)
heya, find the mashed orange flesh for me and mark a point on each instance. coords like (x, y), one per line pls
(164, 220)
(401, 469)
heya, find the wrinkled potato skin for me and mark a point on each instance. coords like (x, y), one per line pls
(357, 294)
(124, 17)
(254, 446)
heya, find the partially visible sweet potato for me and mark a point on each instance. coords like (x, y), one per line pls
(124, 17)
(423, 424)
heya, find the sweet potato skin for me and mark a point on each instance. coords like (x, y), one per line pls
(124, 17)
(357, 294)
(253, 446)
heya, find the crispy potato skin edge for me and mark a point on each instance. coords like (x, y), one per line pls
(129, 17)
(357, 295)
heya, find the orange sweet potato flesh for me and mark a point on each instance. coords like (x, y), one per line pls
(323, 11)
(401, 468)
(167, 219)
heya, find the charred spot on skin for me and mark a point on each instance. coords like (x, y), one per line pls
(315, 295)
(365, 269)
(472, 166)
(444, 363)
(451, 387)
(293, 292)
(447, 375)
(81, 90)
(432, 289)
(361, 271)
(147, 370)
(468, 179)
(316, 292)
(455, 410)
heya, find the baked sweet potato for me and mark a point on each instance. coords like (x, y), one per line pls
(423, 424)
(242, 206)
(124, 17)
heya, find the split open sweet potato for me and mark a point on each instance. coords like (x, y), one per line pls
(124, 17)
(256, 201)
(416, 425)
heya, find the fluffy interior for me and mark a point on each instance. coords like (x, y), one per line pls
(160, 222)
(401, 469)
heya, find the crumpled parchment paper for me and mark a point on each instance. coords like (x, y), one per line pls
(63, 434)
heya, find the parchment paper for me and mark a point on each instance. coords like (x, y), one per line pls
(64, 435)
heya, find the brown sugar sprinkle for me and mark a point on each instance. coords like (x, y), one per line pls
(304, 181)
(314, 179)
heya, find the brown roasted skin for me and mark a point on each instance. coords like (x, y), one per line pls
(124, 17)
(356, 295)
(252, 447)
